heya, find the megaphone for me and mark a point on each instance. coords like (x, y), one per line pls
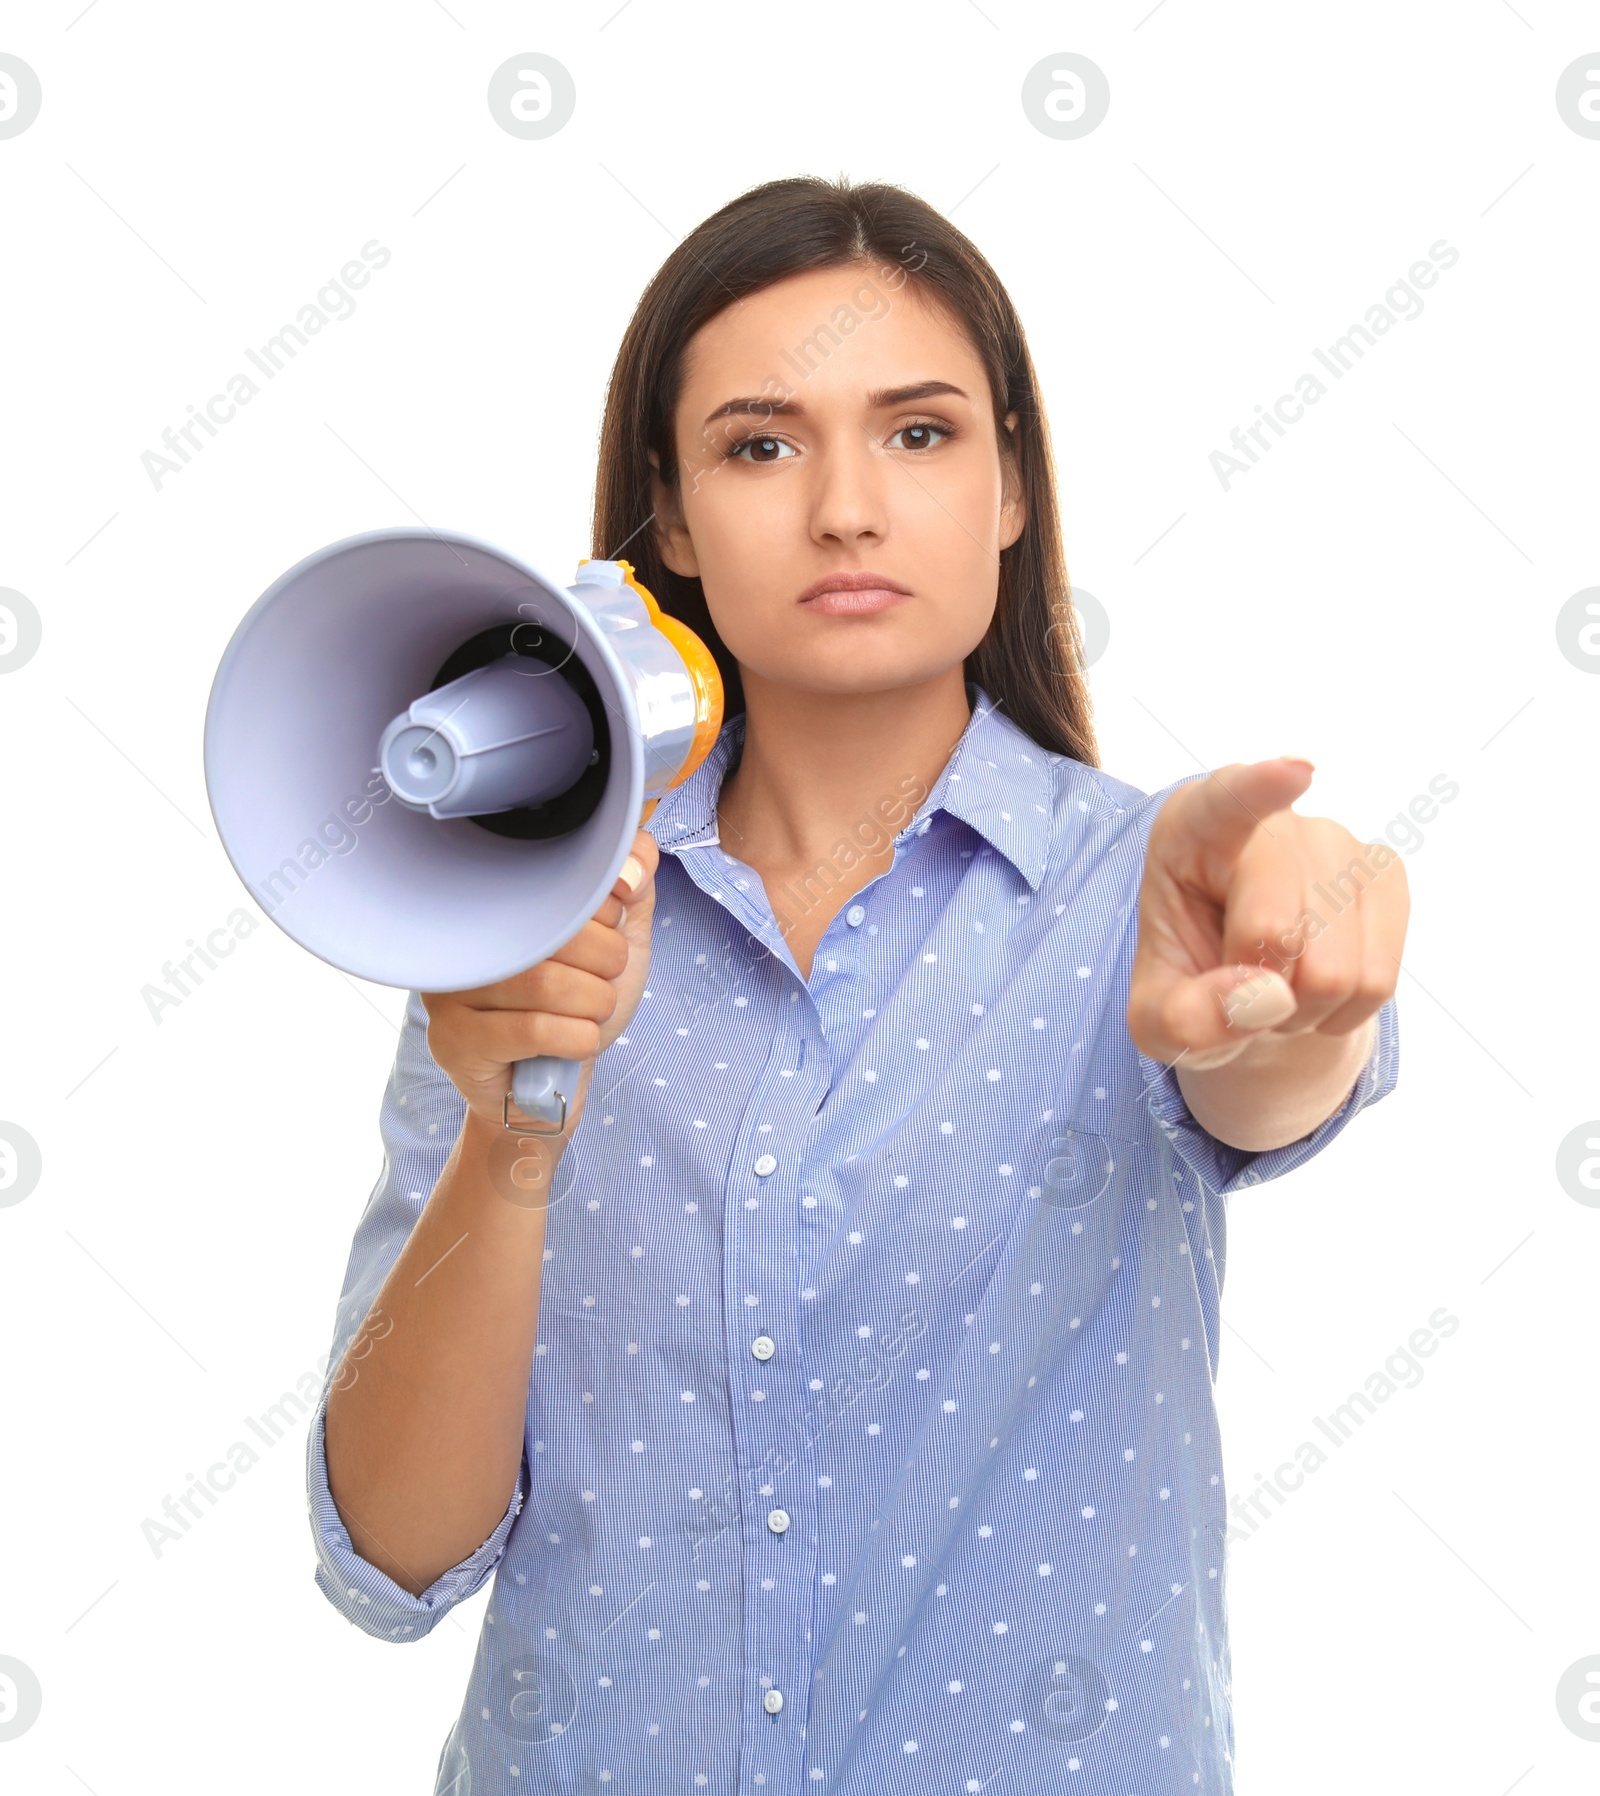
(427, 760)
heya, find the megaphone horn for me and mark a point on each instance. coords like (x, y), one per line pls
(427, 760)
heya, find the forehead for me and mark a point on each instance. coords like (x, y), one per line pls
(831, 332)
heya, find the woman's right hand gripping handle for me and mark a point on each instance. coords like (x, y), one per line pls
(426, 1412)
(573, 1005)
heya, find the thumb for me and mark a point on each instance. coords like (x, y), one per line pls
(635, 884)
(1205, 1019)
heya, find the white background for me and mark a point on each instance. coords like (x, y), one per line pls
(1379, 594)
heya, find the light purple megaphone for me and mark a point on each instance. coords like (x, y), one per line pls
(427, 761)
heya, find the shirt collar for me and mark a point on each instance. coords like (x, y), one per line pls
(997, 780)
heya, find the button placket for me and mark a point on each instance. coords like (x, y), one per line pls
(769, 1407)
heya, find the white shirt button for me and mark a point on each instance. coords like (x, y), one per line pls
(772, 1701)
(778, 1520)
(854, 915)
(767, 1163)
(763, 1347)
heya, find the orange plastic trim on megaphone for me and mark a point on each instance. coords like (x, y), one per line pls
(704, 675)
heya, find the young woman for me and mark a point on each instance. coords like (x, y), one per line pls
(835, 1400)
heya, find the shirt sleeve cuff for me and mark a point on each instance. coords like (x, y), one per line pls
(367, 1597)
(1224, 1168)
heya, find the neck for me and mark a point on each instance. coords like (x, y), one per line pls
(821, 772)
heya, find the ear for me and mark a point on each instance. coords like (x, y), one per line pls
(671, 530)
(1014, 506)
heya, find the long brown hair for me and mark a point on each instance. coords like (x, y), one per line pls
(1030, 659)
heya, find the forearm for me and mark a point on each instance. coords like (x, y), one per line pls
(427, 1413)
(1279, 1089)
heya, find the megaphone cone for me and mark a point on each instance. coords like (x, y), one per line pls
(427, 760)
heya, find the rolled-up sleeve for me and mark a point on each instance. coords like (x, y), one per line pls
(1222, 1168)
(421, 1116)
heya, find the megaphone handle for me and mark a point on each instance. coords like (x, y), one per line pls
(543, 1088)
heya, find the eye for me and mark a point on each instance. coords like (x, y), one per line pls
(764, 444)
(924, 429)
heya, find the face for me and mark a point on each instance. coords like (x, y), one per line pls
(838, 423)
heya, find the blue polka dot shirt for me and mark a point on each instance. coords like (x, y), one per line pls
(871, 1435)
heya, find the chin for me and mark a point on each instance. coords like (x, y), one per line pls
(866, 682)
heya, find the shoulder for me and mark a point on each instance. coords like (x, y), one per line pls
(1089, 804)
(1076, 822)
(1076, 788)
(1091, 790)
(1096, 816)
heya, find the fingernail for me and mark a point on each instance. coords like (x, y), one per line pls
(632, 872)
(1260, 1000)
(1299, 761)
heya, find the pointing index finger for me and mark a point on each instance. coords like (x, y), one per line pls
(1223, 810)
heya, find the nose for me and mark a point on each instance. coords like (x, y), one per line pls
(850, 500)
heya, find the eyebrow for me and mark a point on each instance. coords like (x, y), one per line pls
(789, 408)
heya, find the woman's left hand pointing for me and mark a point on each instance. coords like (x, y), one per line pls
(1254, 920)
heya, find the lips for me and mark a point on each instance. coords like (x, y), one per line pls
(869, 598)
(842, 594)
